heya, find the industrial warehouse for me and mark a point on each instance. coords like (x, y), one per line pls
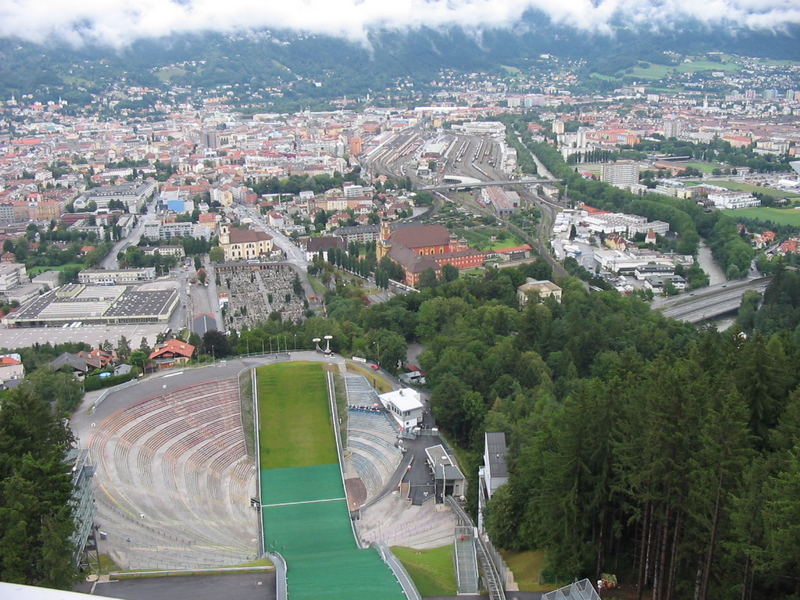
(76, 304)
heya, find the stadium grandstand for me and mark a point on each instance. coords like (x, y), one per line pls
(174, 481)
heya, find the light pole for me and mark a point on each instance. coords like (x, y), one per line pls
(316, 341)
(328, 339)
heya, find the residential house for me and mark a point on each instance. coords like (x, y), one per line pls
(170, 354)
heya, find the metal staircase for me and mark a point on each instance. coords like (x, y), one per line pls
(491, 577)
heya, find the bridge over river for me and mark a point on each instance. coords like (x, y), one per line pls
(708, 303)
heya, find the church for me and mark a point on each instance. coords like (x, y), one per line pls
(243, 244)
(420, 247)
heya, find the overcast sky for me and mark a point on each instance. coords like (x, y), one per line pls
(118, 22)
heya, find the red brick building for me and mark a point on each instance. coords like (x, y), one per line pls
(420, 247)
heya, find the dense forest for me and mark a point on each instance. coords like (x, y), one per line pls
(35, 511)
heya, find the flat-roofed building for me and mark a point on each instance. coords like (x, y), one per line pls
(448, 478)
(133, 195)
(165, 251)
(75, 304)
(404, 405)
(494, 472)
(621, 174)
(11, 275)
(542, 289)
(358, 233)
(116, 276)
(730, 199)
(494, 461)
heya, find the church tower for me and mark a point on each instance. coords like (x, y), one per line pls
(384, 245)
(224, 234)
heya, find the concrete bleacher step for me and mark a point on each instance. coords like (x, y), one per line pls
(178, 459)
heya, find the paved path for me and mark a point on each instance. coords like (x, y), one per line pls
(245, 586)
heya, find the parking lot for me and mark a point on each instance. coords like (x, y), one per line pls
(23, 337)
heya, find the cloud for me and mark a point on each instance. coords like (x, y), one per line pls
(119, 22)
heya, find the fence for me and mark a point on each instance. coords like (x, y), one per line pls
(399, 571)
(111, 390)
(496, 558)
(491, 577)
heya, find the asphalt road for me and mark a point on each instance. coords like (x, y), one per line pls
(110, 261)
(294, 254)
(239, 586)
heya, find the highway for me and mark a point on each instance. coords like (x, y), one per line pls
(709, 302)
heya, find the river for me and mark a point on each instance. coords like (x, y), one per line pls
(710, 266)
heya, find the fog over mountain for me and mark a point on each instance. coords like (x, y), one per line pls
(118, 23)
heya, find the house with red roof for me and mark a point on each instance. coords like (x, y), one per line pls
(790, 246)
(11, 368)
(170, 354)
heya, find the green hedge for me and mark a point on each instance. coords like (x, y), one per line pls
(94, 382)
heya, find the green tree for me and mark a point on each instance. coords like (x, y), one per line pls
(216, 344)
(123, 348)
(449, 273)
(427, 279)
(216, 254)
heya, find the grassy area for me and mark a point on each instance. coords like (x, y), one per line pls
(167, 73)
(768, 62)
(341, 405)
(376, 380)
(510, 70)
(294, 421)
(510, 242)
(319, 288)
(781, 216)
(481, 238)
(703, 167)
(259, 562)
(603, 77)
(740, 186)
(652, 71)
(708, 65)
(527, 568)
(107, 564)
(264, 564)
(658, 71)
(246, 405)
(432, 570)
(34, 271)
